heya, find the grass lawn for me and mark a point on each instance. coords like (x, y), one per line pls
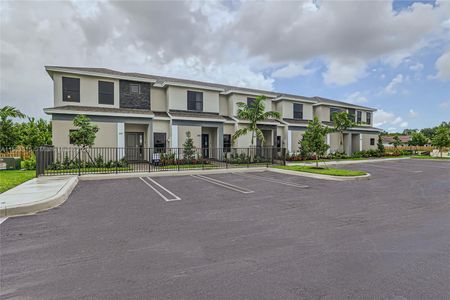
(12, 178)
(323, 171)
(430, 157)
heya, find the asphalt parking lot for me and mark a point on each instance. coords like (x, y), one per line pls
(259, 235)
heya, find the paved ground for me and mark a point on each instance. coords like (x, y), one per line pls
(384, 238)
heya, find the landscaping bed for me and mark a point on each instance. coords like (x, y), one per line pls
(12, 178)
(431, 157)
(323, 171)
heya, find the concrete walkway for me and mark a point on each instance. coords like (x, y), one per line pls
(345, 162)
(36, 195)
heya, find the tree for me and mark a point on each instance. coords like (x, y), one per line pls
(397, 142)
(380, 145)
(9, 137)
(418, 139)
(341, 123)
(441, 138)
(34, 133)
(313, 141)
(84, 136)
(254, 113)
(188, 147)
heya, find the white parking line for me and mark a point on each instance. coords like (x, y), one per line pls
(272, 180)
(3, 220)
(224, 184)
(175, 197)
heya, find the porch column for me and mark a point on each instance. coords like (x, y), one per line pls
(174, 136)
(360, 142)
(220, 136)
(120, 140)
(289, 136)
(329, 143)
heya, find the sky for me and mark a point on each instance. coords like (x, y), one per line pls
(390, 55)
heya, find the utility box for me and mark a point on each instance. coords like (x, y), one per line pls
(10, 163)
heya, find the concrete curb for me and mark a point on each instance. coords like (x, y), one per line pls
(169, 173)
(321, 176)
(347, 162)
(30, 208)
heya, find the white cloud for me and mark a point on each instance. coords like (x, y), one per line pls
(292, 70)
(416, 67)
(342, 72)
(443, 66)
(412, 113)
(391, 88)
(444, 105)
(383, 118)
(357, 98)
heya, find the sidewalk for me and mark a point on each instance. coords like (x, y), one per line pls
(345, 162)
(36, 195)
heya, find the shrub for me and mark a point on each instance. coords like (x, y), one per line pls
(29, 164)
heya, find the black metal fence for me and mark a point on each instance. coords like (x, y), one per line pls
(78, 161)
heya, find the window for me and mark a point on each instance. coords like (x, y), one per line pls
(195, 101)
(71, 89)
(372, 142)
(71, 141)
(278, 142)
(368, 117)
(298, 111)
(351, 114)
(106, 92)
(135, 88)
(226, 142)
(159, 141)
(250, 101)
(333, 111)
(358, 117)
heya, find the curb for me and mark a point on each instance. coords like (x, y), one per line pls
(321, 176)
(43, 204)
(168, 173)
(348, 162)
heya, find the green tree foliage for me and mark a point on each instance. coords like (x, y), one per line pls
(397, 142)
(380, 145)
(441, 137)
(254, 113)
(9, 137)
(34, 133)
(314, 139)
(188, 147)
(85, 135)
(342, 123)
(418, 139)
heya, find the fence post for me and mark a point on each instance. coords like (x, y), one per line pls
(248, 157)
(117, 159)
(38, 161)
(284, 156)
(203, 159)
(178, 159)
(79, 161)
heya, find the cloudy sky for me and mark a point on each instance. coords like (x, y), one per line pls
(394, 56)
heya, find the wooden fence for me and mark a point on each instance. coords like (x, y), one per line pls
(21, 152)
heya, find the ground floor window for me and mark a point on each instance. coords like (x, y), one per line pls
(278, 142)
(226, 142)
(159, 141)
(372, 142)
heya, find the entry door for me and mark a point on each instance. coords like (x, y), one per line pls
(134, 143)
(205, 145)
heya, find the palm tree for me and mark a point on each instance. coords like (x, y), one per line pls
(254, 113)
(10, 112)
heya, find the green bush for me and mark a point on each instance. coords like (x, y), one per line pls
(29, 164)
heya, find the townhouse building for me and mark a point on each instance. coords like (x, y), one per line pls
(140, 111)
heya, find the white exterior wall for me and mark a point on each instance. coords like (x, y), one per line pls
(88, 90)
(177, 99)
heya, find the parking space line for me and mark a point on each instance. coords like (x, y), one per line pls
(394, 168)
(175, 197)
(272, 180)
(224, 184)
(3, 219)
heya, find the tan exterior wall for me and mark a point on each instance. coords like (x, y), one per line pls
(196, 135)
(287, 110)
(335, 142)
(106, 136)
(223, 105)
(177, 99)
(297, 135)
(322, 112)
(158, 99)
(88, 90)
(366, 141)
(235, 98)
(245, 140)
(161, 126)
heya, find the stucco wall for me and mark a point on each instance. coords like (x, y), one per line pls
(287, 109)
(88, 90)
(106, 136)
(235, 98)
(366, 141)
(322, 112)
(158, 99)
(196, 135)
(177, 97)
(223, 105)
(245, 140)
(335, 139)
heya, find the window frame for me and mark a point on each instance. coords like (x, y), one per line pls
(250, 101)
(358, 117)
(227, 146)
(337, 110)
(368, 118)
(372, 141)
(351, 113)
(138, 87)
(194, 104)
(294, 111)
(105, 94)
(67, 92)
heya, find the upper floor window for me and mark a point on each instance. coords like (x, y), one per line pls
(250, 101)
(358, 116)
(333, 111)
(368, 117)
(195, 101)
(135, 88)
(71, 89)
(106, 92)
(298, 111)
(351, 114)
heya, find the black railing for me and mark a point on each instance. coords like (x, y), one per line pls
(96, 160)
